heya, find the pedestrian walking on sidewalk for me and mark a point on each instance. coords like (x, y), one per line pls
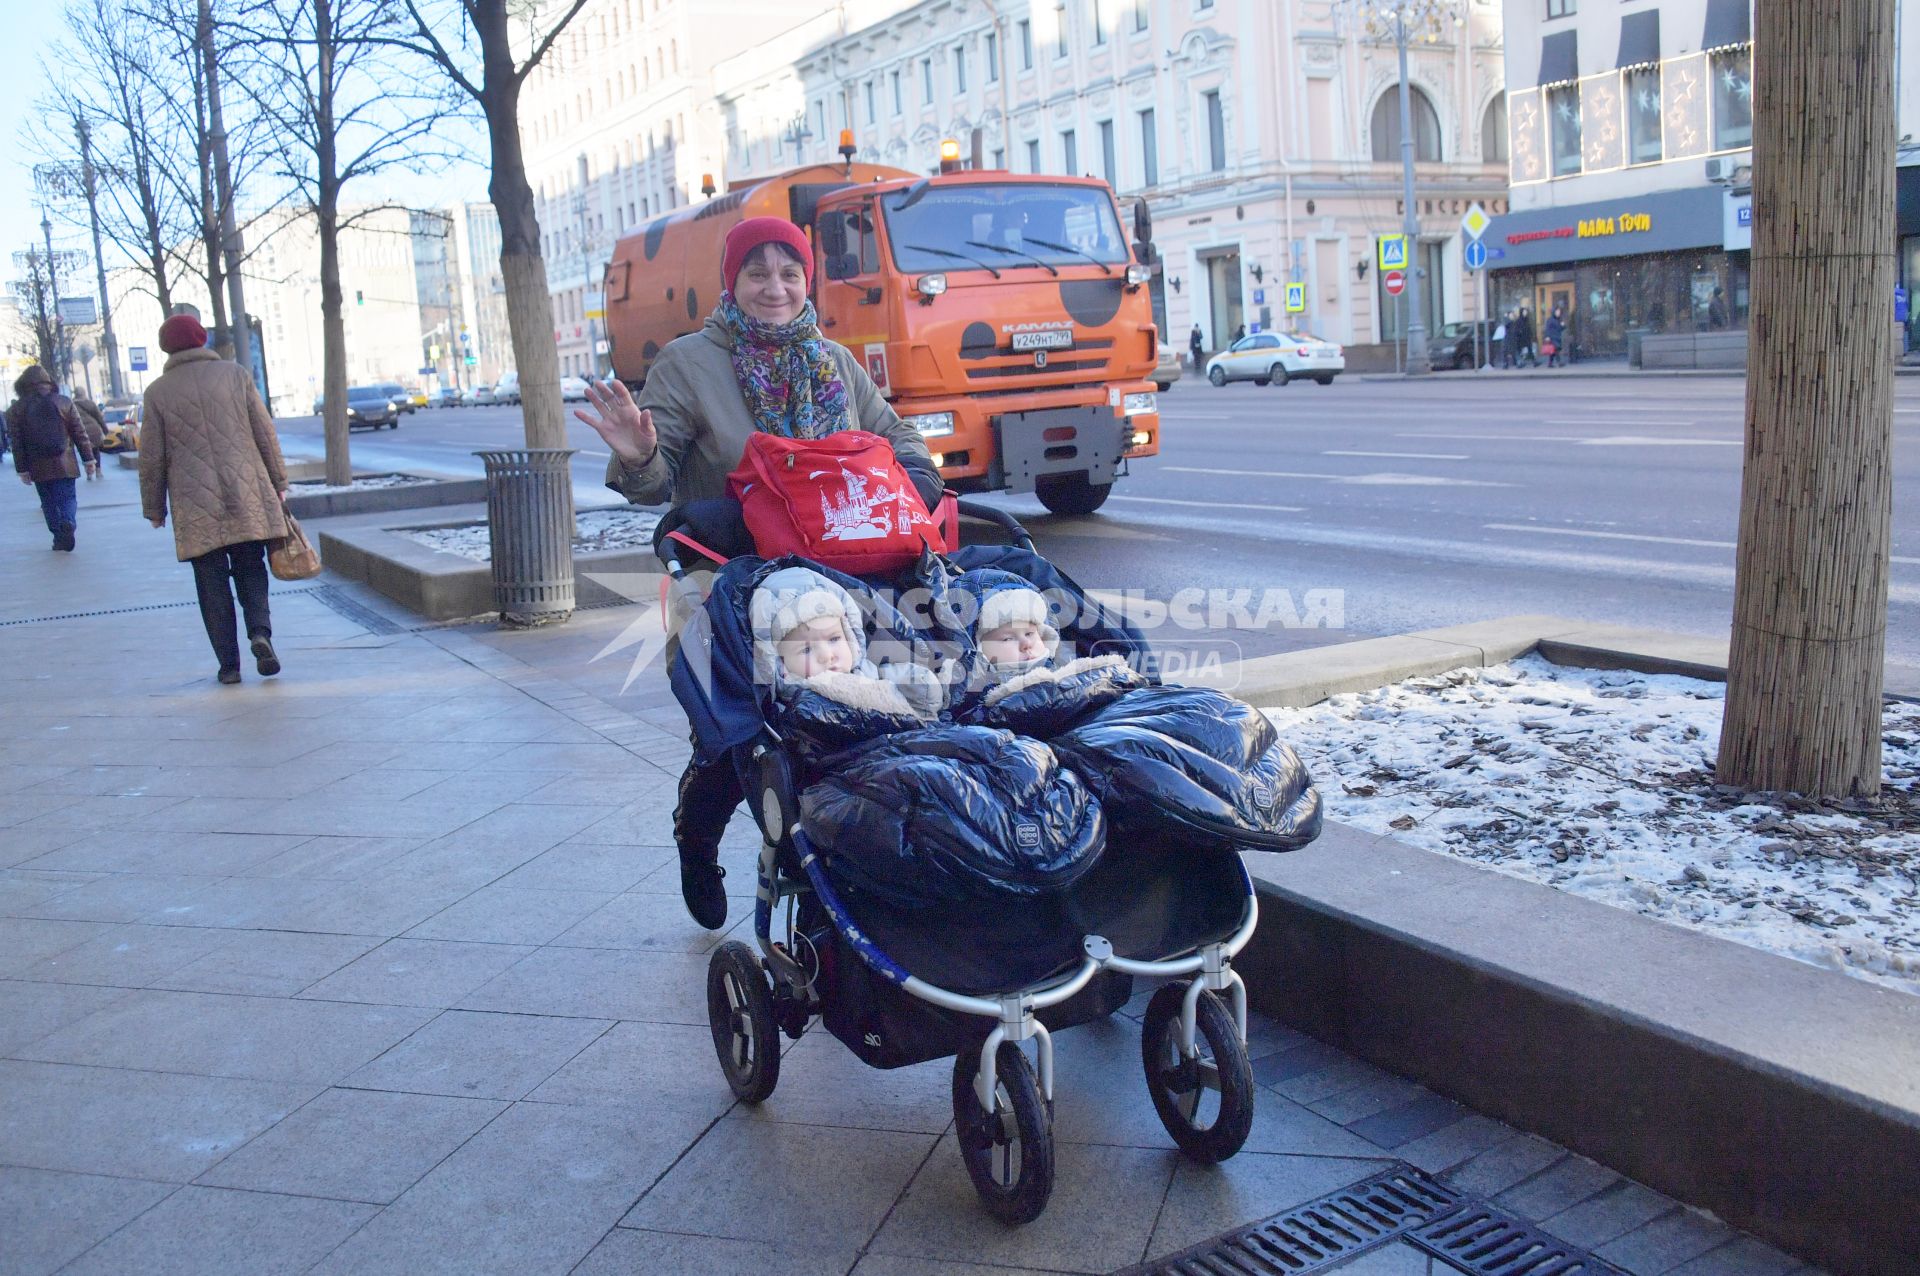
(1554, 343)
(1520, 335)
(209, 455)
(94, 422)
(1196, 346)
(46, 433)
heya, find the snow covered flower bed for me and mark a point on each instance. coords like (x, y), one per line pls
(594, 532)
(1601, 783)
(366, 483)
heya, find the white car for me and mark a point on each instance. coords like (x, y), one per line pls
(1277, 358)
(573, 389)
(507, 389)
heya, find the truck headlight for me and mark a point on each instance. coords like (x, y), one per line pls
(1135, 404)
(932, 285)
(1138, 275)
(933, 425)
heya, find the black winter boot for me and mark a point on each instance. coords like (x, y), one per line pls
(708, 795)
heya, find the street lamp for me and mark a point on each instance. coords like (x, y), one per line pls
(797, 136)
(1407, 22)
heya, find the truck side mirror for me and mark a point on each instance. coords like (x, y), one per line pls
(833, 235)
(1142, 222)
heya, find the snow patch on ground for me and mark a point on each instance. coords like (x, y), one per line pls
(368, 483)
(594, 532)
(1600, 783)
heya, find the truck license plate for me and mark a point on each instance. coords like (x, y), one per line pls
(1046, 339)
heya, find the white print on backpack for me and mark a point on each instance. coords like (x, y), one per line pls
(857, 516)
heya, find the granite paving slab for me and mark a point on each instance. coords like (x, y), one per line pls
(481, 1055)
(204, 1231)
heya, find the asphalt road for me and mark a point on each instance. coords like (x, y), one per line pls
(1459, 498)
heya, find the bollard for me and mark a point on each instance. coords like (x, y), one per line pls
(530, 527)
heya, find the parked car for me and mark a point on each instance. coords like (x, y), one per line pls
(123, 427)
(1277, 358)
(1451, 346)
(1169, 369)
(319, 404)
(445, 397)
(372, 405)
(480, 396)
(418, 398)
(507, 388)
(402, 398)
(573, 389)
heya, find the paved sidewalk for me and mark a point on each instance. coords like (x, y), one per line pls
(381, 966)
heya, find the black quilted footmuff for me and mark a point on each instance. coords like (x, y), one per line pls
(1197, 757)
(952, 816)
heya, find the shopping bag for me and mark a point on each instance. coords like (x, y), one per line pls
(291, 557)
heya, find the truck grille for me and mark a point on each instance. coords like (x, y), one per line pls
(1054, 366)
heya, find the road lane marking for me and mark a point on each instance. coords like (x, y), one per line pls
(1641, 440)
(1636, 536)
(1211, 505)
(1405, 456)
(1351, 480)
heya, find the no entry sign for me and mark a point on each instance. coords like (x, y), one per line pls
(1395, 281)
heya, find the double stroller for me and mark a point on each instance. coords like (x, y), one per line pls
(1120, 887)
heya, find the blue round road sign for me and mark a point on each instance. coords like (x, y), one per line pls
(1476, 255)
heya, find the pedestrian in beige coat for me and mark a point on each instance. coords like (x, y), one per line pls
(209, 455)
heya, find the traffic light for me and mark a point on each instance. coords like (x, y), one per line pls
(359, 297)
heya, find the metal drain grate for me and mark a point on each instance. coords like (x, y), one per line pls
(337, 602)
(1484, 1241)
(1319, 1234)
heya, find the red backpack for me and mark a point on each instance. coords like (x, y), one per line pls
(842, 500)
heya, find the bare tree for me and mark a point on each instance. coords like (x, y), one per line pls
(33, 295)
(1805, 676)
(473, 42)
(341, 111)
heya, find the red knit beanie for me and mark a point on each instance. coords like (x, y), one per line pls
(755, 231)
(182, 332)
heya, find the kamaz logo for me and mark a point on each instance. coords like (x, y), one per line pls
(1027, 835)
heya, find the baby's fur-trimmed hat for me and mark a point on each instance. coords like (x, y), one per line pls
(791, 597)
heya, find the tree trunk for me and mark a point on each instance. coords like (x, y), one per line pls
(524, 272)
(333, 340)
(1810, 592)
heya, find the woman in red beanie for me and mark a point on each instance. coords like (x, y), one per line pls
(209, 454)
(760, 363)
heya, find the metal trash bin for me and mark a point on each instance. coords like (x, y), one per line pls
(530, 529)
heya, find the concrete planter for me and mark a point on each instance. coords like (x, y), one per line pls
(380, 500)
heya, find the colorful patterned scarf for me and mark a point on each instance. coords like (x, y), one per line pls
(786, 373)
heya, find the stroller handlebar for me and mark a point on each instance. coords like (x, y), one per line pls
(999, 518)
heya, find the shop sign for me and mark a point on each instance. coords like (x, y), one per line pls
(1620, 224)
(1737, 223)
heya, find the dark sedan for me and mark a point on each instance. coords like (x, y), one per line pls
(371, 405)
(1451, 346)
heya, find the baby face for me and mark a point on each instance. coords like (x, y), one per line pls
(819, 646)
(1016, 644)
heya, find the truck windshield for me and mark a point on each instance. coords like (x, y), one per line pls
(1034, 223)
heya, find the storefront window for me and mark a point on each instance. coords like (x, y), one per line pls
(1733, 98)
(1563, 110)
(1643, 115)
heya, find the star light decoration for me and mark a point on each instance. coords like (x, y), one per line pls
(1605, 143)
(1523, 142)
(1684, 86)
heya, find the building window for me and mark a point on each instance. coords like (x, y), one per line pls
(1149, 148)
(999, 157)
(1563, 127)
(1142, 14)
(1562, 8)
(1026, 44)
(871, 115)
(1493, 129)
(1033, 155)
(1643, 115)
(1099, 21)
(1426, 127)
(1216, 132)
(993, 58)
(1109, 169)
(1060, 46)
(897, 107)
(926, 81)
(959, 68)
(1733, 98)
(1069, 152)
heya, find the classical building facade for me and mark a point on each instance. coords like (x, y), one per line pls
(1263, 134)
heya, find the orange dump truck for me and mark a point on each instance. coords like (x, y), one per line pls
(1002, 314)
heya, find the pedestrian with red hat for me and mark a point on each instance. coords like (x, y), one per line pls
(758, 364)
(210, 458)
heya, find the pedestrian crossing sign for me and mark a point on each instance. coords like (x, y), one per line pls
(1296, 298)
(1393, 252)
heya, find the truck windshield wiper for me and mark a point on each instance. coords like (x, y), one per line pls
(1012, 252)
(1078, 252)
(942, 252)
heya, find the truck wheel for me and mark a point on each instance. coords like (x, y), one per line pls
(1072, 494)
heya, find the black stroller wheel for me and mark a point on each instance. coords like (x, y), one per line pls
(740, 1012)
(1009, 1152)
(1206, 1101)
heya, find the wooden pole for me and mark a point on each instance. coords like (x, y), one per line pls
(1810, 593)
